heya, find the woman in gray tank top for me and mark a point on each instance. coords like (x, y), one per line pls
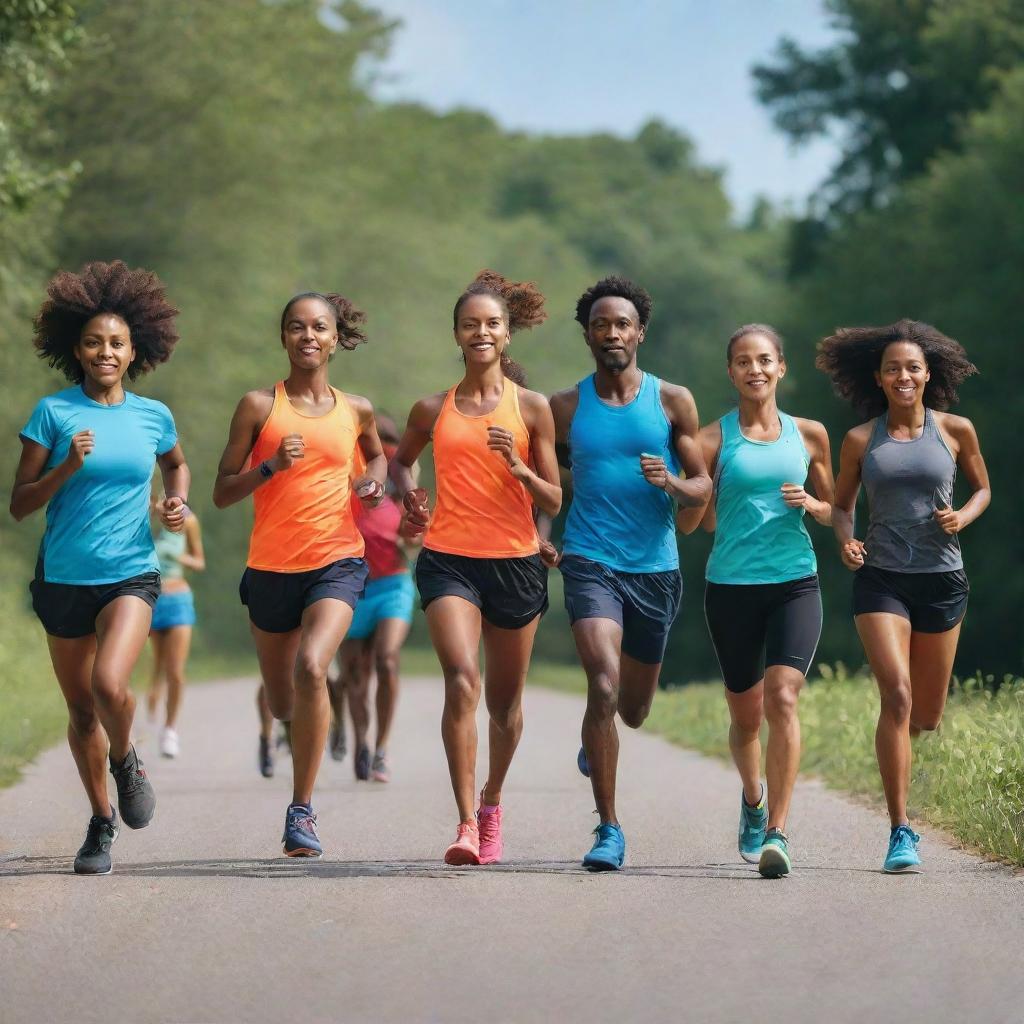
(910, 590)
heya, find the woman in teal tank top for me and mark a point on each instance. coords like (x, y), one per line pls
(762, 602)
(173, 618)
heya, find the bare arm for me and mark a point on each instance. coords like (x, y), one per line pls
(234, 482)
(369, 488)
(193, 556)
(563, 406)
(541, 481)
(851, 550)
(971, 461)
(819, 475)
(176, 480)
(693, 488)
(418, 430)
(689, 518)
(32, 487)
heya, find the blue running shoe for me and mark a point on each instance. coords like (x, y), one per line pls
(582, 763)
(300, 837)
(774, 861)
(902, 856)
(608, 851)
(753, 821)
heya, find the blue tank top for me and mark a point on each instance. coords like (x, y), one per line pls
(758, 537)
(617, 518)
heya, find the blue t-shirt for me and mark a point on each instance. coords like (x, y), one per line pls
(97, 524)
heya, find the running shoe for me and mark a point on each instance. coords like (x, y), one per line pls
(135, 796)
(363, 764)
(266, 760)
(94, 856)
(466, 848)
(300, 835)
(489, 825)
(752, 825)
(774, 862)
(609, 849)
(582, 763)
(380, 770)
(902, 857)
(170, 745)
(337, 745)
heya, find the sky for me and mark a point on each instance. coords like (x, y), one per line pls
(578, 66)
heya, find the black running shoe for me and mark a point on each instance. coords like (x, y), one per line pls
(337, 745)
(135, 797)
(266, 760)
(94, 856)
(363, 764)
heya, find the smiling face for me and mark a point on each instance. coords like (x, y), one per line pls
(310, 333)
(614, 333)
(756, 366)
(105, 349)
(903, 374)
(481, 330)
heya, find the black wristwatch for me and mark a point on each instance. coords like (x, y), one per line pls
(265, 470)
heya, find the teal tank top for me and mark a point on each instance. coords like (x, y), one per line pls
(169, 546)
(758, 538)
(617, 518)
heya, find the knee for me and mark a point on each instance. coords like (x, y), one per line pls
(896, 700)
(82, 716)
(387, 664)
(461, 689)
(780, 704)
(634, 716)
(603, 694)
(310, 673)
(107, 690)
(925, 721)
(506, 716)
(280, 707)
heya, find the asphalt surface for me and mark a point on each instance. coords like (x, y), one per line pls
(204, 921)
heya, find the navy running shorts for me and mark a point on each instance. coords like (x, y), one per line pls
(69, 610)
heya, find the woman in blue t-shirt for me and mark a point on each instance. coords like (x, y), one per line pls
(87, 455)
(762, 602)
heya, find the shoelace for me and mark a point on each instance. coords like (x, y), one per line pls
(130, 776)
(487, 826)
(905, 834)
(303, 821)
(464, 828)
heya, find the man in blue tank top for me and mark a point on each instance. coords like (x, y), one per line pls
(625, 435)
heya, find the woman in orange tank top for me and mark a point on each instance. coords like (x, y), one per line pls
(294, 448)
(480, 573)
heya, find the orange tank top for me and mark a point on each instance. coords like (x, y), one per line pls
(482, 511)
(303, 515)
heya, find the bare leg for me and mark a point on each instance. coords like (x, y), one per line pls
(178, 640)
(506, 662)
(931, 666)
(266, 717)
(746, 711)
(455, 626)
(387, 645)
(782, 685)
(156, 679)
(356, 669)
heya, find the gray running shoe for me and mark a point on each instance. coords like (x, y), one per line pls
(266, 759)
(337, 745)
(94, 856)
(135, 797)
(363, 764)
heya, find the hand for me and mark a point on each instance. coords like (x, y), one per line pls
(417, 511)
(654, 470)
(795, 496)
(292, 447)
(950, 520)
(81, 445)
(369, 491)
(173, 513)
(549, 554)
(852, 553)
(503, 442)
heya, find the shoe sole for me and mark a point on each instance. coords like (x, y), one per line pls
(94, 874)
(303, 852)
(135, 828)
(907, 869)
(583, 765)
(459, 857)
(602, 865)
(773, 863)
(751, 858)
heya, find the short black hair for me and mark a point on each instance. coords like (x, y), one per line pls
(618, 287)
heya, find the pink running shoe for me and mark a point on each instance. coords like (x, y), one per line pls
(466, 848)
(489, 824)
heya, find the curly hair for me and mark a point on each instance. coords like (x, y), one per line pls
(522, 303)
(853, 355)
(619, 287)
(136, 296)
(347, 318)
(767, 330)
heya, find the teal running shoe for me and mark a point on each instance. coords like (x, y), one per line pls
(582, 763)
(753, 821)
(902, 857)
(608, 851)
(774, 861)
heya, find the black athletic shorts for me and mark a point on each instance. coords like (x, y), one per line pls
(933, 601)
(510, 592)
(756, 625)
(644, 604)
(69, 610)
(276, 600)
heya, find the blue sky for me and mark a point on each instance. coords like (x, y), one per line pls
(576, 66)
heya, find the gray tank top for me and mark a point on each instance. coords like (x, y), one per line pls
(906, 481)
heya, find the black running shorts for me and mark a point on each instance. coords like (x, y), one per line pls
(934, 602)
(276, 600)
(69, 610)
(756, 625)
(510, 592)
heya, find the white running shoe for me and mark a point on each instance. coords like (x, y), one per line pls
(169, 744)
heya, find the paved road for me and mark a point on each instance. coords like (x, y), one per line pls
(203, 921)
